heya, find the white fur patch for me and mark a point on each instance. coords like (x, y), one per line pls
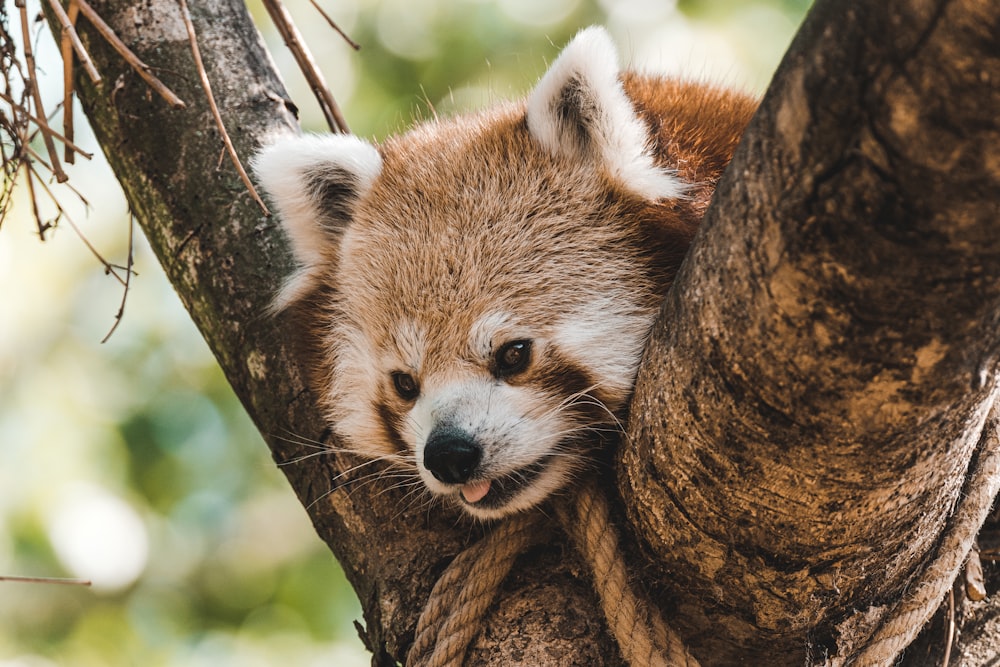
(606, 336)
(289, 170)
(409, 340)
(358, 376)
(482, 332)
(587, 71)
(515, 426)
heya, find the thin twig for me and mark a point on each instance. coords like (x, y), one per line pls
(67, 185)
(47, 580)
(15, 126)
(28, 152)
(42, 226)
(44, 126)
(128, 281)
(67, 22)
(69, 43)
(32, 84)
(354, 45)
(6, 192)
(294, 42)
(66, 50)
(109, 268)
(203, 75)
(950, 636)
(141, 68)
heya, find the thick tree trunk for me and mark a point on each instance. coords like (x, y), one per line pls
(833, 334)
(819, 379)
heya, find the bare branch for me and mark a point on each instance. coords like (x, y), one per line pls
(67, 45)
(109, 268)
(69, 32)
(141, 68)
(31, 83)
(207, 85)
(66, 51)
(128, 279)
(45, 128)
(40, 225)
(46, 580)
(293, 40)
(354, 45)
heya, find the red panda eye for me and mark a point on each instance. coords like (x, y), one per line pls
(512, 358)
(406, 386)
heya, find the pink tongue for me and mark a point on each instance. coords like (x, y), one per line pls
(473, 492)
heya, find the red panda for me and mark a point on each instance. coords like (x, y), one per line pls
(480, 289)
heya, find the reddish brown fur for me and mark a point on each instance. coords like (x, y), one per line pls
(554, 227)
(695, 128)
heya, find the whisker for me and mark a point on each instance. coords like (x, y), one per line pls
(413, 498)
(583, 397)
(405, 477)
(302, 441)
(304, 457)
(571, 398)
(325, 494)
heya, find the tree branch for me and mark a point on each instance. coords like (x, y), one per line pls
(834, 332)
(226, 262)
(818, 382)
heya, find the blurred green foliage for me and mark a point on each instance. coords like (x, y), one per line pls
(132, 463)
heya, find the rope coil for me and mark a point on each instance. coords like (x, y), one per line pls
(900, 627)
(463, 593)
(642, 635)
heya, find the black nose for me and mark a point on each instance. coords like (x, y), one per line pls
(451, 456)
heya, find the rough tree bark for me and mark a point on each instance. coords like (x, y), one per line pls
(820, 377)
(833, 334)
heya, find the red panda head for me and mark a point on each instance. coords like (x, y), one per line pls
(486, 283)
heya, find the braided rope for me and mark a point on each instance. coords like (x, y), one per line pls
(461, 596)
(981, 487)
(642, 635)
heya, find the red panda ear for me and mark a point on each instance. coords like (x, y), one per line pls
(315, 182)
(579, 110)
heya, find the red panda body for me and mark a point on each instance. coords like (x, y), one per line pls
(480, 288)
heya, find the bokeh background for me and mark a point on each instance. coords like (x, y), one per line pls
(131, 464)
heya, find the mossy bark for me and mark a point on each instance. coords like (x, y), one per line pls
(833, 333)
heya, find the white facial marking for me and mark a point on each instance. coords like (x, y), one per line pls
(409, 343)
(514, 425)
(483, 334)
(606, 336)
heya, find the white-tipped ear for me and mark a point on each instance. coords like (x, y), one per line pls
(315, 182)
(579, 110)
